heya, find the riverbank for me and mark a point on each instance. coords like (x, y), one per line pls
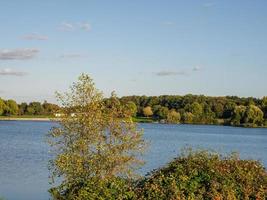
(135, 119)
(219, 122)
(28, 118)
(25, 119)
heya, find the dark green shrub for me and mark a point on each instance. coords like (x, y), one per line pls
(206, 175)
(112, 189)
(195, 175)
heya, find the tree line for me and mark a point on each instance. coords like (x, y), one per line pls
(200, 109)
(188, 109)
(12, 108)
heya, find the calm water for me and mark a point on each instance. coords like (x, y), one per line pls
(24, 154)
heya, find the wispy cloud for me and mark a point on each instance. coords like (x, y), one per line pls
(209, 4)
(10, 72)
(133, 80)
(64, 26)
(171, 73)
(18, 54)
(34, 36)
(68, 26)
(73, 55)
(85, 26)
(196, 68)
(178, 73)
(168, 23)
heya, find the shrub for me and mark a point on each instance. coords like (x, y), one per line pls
(206, 175)
(101, 189)
(194, 175)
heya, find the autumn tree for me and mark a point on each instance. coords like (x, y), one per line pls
(95, 142)
(147, 111)
(188, 117)
(173, 117)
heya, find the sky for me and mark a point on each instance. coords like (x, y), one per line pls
(140, 47)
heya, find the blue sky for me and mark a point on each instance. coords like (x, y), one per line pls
(140, 47)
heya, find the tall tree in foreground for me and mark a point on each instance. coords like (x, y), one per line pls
(96, 141)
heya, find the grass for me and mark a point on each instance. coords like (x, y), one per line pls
(143, 120)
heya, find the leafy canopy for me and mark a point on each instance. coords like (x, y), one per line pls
(95, 139)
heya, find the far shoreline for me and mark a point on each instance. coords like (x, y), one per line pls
(46, 119)
(27, 119)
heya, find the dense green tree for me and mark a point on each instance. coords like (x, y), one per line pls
(132, 108)
(229, 109)
(49, 108)
(238, 115)
(264, 106)
(11, 107)
(253, 115)
(2, 106)
(218, 109)
(35, 108)
(30, 110)
(264, 101)
(160, 112)
(195, 108)
(23, 108)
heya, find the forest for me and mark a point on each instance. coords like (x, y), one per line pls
(188, 109)
(12, 108)
(200, 109)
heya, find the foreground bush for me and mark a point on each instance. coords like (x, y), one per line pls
(205, 175)
(192, 176)
(111, 189)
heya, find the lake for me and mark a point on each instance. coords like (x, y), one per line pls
(24, 153)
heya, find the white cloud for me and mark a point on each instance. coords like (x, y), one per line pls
(168, 23)
(67, 26)
(176, 73)
(196, 68)
(34, 36)
(171, 73)
(73, 55)
(18, 54)
(64, 26)
(10, 72)
(85, 26)
(208, 4)
(133, 80)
